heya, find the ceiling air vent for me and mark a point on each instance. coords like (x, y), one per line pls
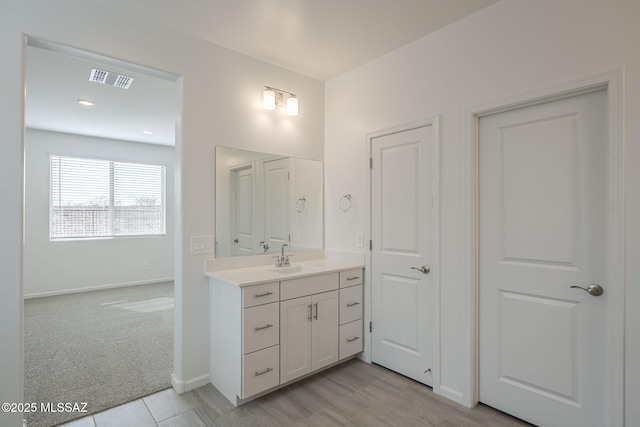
(111, 79)
(98, 76)
(123, 82)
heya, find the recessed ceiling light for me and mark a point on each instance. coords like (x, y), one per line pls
(86, 102)
(147, 132)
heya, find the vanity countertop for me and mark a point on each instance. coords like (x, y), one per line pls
(268, 273)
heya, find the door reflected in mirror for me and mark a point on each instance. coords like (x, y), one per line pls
(265, 200)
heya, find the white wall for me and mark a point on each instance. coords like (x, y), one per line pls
(221, 105)
(53, 267)
(11, 184)
(508, 49)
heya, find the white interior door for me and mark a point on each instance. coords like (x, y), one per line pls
(543, 196)
(404, 238)
(276, 203)
(243, 205)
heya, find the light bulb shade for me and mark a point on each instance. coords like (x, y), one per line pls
(292, 106)
(269, 99)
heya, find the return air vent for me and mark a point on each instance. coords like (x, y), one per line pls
(123, 82)
(98, 76)
(111, 79)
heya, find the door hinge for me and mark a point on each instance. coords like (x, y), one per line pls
(370, 245)
(370, 162)
(370, 327)
(288, 176)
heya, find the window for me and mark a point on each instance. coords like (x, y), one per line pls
(93, 198)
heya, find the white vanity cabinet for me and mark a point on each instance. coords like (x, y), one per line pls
(268, 334)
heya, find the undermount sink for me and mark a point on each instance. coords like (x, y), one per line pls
(296, 269)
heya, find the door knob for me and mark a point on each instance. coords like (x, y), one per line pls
(235, 240)
(594, 289)
(425, 269)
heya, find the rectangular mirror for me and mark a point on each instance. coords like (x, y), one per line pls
(265, 200)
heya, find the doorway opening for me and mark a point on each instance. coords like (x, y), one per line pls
(100, 138)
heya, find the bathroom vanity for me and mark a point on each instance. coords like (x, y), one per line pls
(272, 326)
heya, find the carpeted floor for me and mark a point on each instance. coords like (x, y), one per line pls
(103, 347)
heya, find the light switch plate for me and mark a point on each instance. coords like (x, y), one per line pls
(201, 245)
(360, 240)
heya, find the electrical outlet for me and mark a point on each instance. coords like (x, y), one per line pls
(360, 240)
(201, 245)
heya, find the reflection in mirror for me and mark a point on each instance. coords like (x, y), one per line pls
(264, 201)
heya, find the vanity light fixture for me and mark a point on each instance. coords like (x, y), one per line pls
(272, 97)
(269, 99)
(292, 106)
(86, 102)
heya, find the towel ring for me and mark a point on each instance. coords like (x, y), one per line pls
(301, 204)
(345, 203)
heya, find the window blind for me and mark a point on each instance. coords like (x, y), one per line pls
(92, 198)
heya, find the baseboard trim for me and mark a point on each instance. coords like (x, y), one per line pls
(454, 395)
(184, 386)
(98, 288)
(177, 385)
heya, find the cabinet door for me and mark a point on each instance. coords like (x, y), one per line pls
(324, 329)
(295, 338)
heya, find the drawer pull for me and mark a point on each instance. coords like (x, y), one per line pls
(266, 371)
(267, 326)
(351, 304)
(263, 294)
(353, 278)
(352, 339)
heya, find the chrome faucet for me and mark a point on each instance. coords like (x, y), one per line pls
(283, 259)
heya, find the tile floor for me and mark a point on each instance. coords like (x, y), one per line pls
(352, 394)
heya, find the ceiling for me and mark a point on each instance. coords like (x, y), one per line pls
(317, 38)
(56, 81)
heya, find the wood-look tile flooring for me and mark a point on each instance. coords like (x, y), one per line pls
(352, 394)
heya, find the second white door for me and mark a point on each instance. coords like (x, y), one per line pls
(404, 251)
(543, 199)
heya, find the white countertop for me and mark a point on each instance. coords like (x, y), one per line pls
(268, 273)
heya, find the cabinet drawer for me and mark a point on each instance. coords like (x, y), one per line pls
(351, 278)
(351, 339)
(350, 304)
(260, 294)
(309, 285)
(260, 371)
(260, 326)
